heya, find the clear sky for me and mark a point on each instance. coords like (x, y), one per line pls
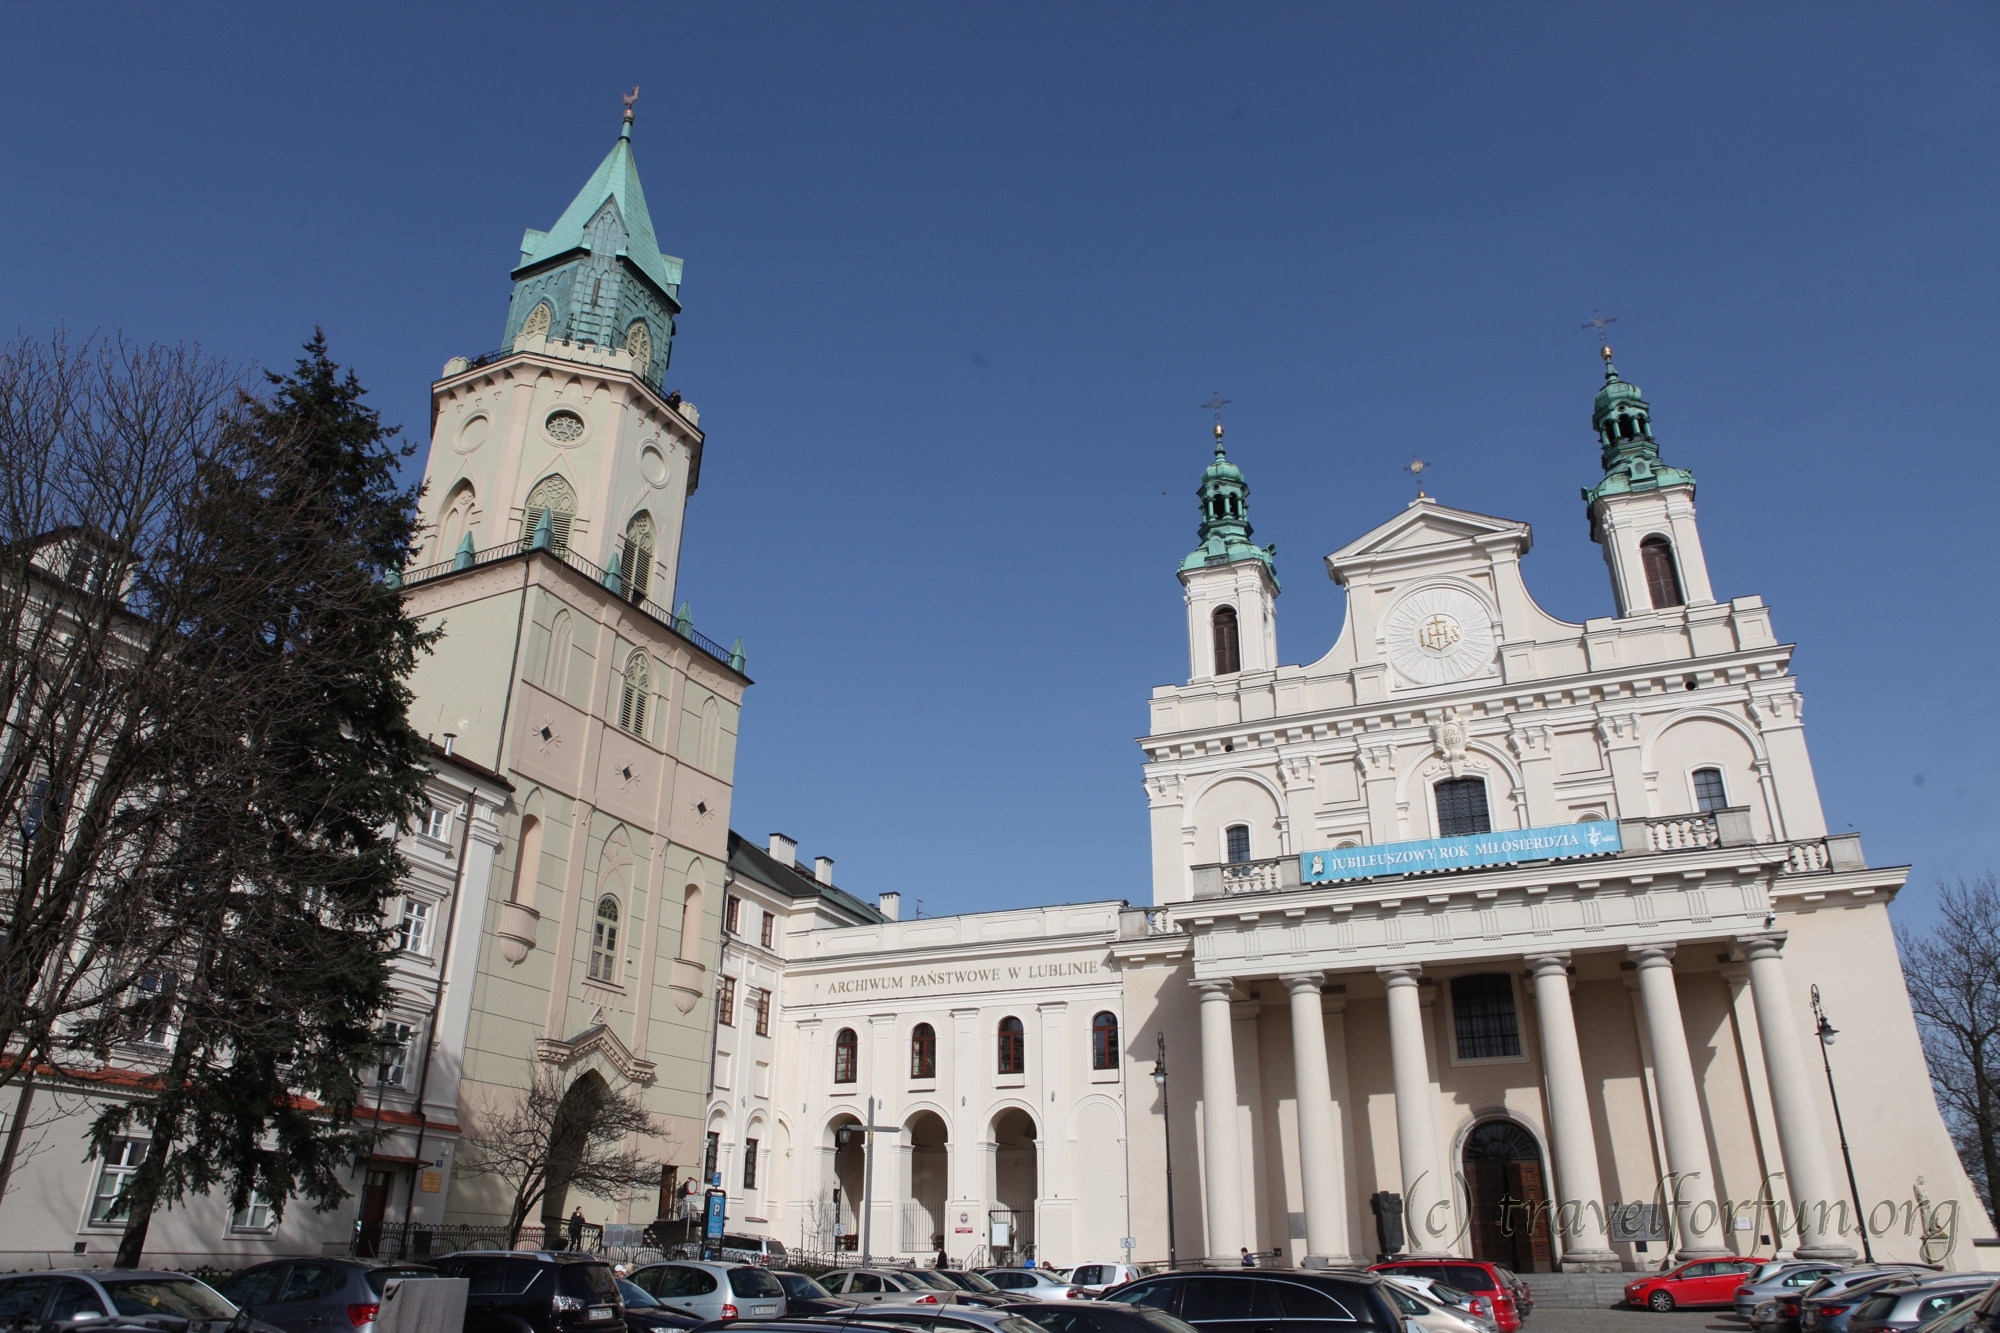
(958, 276)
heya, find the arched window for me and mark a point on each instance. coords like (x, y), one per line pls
(1104, 1041)
(1228, 658)
(1013, 1046)
(1709, 793)
(536, 325)
(846, 1053)
(639, 342)
(1663, 581)
(635, 558)
(923, 1051)
(711, 734)
(555, 672)
(1236, 843)
(1462, 807)
(555, 498)
(632, 698)
(453, 520)
(1482, 1009)
(528, 862)
(604, 941)
(691, 924)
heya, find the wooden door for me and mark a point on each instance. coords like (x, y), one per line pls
(374, 1204)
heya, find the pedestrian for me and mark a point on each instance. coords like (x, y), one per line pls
(576, 1228)
(1249, 1259)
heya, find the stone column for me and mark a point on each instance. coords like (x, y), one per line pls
(1416, 1138)
(1579, 1192)
(1808, 1171)
(1221, 1158)
(1692, 1182)
(1319, 1131)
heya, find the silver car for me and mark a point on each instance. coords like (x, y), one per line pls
(1037, 1284)
(83, 1296)
(713, 1291)
(895, 1286)
(948, 1319)
(1428, 1315)
(1904, 1306)
(1775, 1280)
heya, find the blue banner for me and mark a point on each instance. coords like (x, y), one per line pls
(1595, 838)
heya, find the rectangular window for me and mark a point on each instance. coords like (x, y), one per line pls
(437, 824)
(710, 1155)
(155, 993)
(1462, 808)
(765, 932)
(725, 996)
(732, 913)
(762, 999)
(749, 1164)
(390, 1075)
(255, 1216)
(1237, 843)
(1482, 1007)
(1708, 792)
(414, 934)
(107, 1206)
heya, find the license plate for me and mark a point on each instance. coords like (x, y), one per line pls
(763, 1311)
(601, 1312)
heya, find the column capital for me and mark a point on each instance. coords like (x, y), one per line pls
(1215, 989)
(1764, 944)
(1652, 955)
(1400, 974)
(1548, 960)
(1300, 982)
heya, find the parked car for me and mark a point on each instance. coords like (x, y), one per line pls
(1429, 1315)
(767, 1251)
(1792, 1308)
(714, 1291)
(311, 1295)
(645, 1314)
(1098, 1317)
(1703, 1282)
(805, 1296)
(963, 1288)
(896, 1286)
(1036, 1284)
(1239, 1300)
(547, 1292)
(1102, 1277)
(1904, 1306)
(1827, 1311)
(1777, 1279)
(1441, 1293)
(1498, 1293)
(965, 1279)
(84, 1296)
(1958, 1319)
(947, 1318)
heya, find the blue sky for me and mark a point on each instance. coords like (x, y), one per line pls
(958, 276)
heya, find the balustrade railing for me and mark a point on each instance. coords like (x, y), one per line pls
(1678, 833)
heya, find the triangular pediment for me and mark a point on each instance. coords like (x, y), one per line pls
(1426, 527)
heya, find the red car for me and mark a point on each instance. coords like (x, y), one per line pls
(1497, 1294)
(1702, 1282)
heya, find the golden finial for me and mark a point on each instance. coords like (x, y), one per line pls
(1606, 353)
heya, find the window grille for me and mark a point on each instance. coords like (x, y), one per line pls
(1236, 839)
(1482, 1008)
(1461, 806)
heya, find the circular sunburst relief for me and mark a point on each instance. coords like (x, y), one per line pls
(1439, 635)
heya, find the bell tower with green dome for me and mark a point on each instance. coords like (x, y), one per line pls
(1231, 584)
(1642, 512)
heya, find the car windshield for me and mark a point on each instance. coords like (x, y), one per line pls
(755, 1283)
(801, 1286)
(926, 1278)
(1952, 1320)
(970, 1281)
(382, 1277)
(182, 1296)
(1450, 1295)
(636, 1298)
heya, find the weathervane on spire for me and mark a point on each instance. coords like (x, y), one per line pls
(629, 99)
(1215, 405)
(1599, 323)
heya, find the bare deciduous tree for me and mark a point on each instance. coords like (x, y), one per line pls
(1953, 974)
(552, 1137)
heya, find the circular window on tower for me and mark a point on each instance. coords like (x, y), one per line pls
(563, 425)
(639, 342)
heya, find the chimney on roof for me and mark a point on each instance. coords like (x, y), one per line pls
(784, 850)
(823, 869)
(889, 905)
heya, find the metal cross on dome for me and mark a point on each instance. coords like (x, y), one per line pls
(1600, 323)
(1216, 404)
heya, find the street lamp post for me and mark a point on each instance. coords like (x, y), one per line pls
(386, 1046)
(1167, 1127)
(1827, 1032)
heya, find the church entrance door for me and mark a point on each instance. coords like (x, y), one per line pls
(1507, 1198)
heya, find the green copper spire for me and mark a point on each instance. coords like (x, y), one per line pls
(597, 277)
(1225, 517)
(1630, 454)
